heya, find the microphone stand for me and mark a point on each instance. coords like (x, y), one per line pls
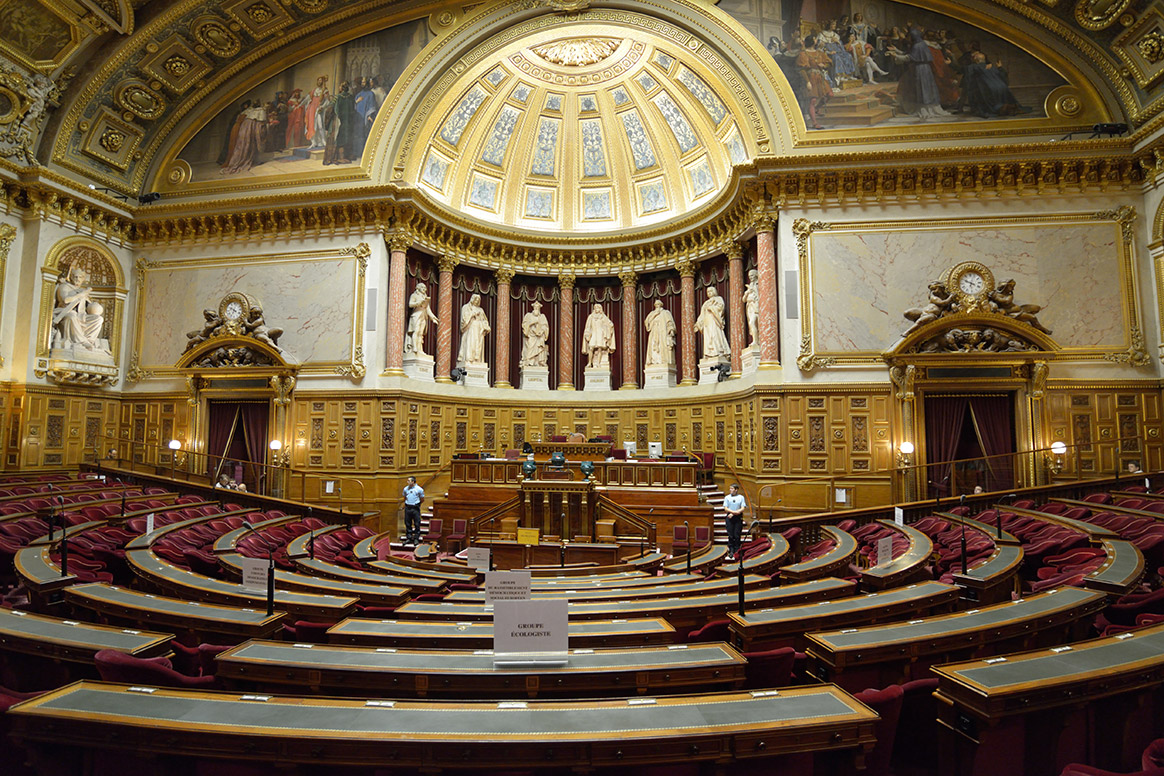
(311, 538)
(740, 586)
(998, 512)
(64, 537)
(270, 568)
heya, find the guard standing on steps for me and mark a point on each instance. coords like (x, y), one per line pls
(734, 504)
(413, 496)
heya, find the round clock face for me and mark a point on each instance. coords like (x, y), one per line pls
(233, 311)
(971, 283)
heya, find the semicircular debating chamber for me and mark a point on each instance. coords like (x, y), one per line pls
(546, 386)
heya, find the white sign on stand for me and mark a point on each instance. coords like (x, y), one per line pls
(884, 549)
(477, 558)
(506, 586)
(899, 515)
(841, 495)
(530, 632)
(254, 574)
(149, 523)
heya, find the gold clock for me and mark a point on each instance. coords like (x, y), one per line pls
(234, 309)
(971, 284)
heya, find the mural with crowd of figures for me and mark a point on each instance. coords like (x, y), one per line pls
(880, 63)
(312, 116)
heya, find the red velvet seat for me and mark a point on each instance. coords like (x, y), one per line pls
(117, 666)
(679, 542)
(435, 528)
(716, 630)
(887, 703)
(770, 668)
(455, 541)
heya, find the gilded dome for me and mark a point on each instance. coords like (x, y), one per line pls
(581, 128)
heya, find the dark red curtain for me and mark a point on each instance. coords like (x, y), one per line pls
(667, 288)
(220, 420)
(253, 419)
(993, 418)
(944, 417)
(237, 431)
(587, 293)
(523, 292)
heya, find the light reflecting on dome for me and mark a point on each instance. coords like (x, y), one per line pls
(581, 128)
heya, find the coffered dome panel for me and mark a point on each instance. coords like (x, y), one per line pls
(587, 127)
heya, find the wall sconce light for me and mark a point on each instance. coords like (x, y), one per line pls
(1055, 459)
(905, 454)
(279, 457)
(176, 457)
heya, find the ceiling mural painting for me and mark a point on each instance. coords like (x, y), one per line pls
(313, 116)
(884, 64)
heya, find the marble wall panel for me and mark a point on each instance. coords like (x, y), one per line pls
(313, 301)
(863, 281)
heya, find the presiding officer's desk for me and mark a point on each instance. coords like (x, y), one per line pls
(96, 724)
(1052, 703)
(479, 635)
(761, 629)
(897, 652)
(390, 672)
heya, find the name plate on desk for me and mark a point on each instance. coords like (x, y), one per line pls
(478, 558)
(506, 586)
(528, 536)
(254, 574)
(535, 631)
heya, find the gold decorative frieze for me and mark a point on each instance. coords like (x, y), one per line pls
(112, 139)
(259, 18)
(216, 36)
(136, 97)
(1099, 14)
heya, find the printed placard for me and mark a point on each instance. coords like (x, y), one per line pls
(540, 625)
(149, 523)
(477, 558)
(899, 515)
(528, 536)
(884, 549)
(506, 586)
(254, 574)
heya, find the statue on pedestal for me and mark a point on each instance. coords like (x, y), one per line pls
(710, 324)
(77, 319)
(660, 336)
(752, 305)
(598, 339)
(418, 320)
(474, 327)
(536, 330)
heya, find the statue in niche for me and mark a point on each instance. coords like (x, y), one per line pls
(1002, 301)
(752, 305)
(535, 328)
(418, 320)
(77, 317)
(598, 339)
(474, 327)
(660, 336)
(710, 325)
(941, 302)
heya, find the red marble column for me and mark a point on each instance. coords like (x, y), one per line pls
(690, 372)
(737, 330)
(769, 338)
(566, 333)
(444, 354)
(501, 330)
(630, 331)
(397, 308)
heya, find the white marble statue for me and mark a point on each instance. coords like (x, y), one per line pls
(536, 332)
(77, 319)
(710, 325)
(598, 339)
(752, 305)
(474, 327)
(660, 336)
(418, 321)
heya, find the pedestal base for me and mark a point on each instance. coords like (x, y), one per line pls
(418, 367)
(597, 379)
(476, 375)
(750, 360)
(535, 378)
(707, 375)
(659, 376)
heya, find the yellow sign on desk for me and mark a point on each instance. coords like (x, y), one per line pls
(528, 536)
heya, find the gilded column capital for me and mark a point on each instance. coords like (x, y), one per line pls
(686, 268)
(628, 278)
(504, 275)
(399, 241)
(446, 263)
(734, 251)
(765, 222)
(566, 280)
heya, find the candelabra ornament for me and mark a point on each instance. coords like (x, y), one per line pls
(905, 455)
